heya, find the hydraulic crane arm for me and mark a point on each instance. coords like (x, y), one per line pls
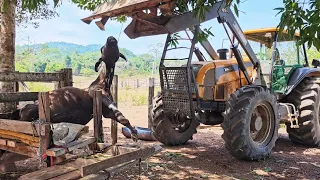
(208, 48)
(144, 24)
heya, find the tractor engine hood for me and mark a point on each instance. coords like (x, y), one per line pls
(219, 77)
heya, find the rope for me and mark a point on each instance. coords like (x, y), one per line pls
(120, 32)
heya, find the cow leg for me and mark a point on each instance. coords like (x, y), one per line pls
(118, 115)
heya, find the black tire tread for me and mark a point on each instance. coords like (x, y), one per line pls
(162, 130)
(235, 135)
(305, 97)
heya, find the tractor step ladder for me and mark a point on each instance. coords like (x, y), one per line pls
(177, 83)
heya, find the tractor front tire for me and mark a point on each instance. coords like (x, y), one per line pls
(307, 101)
(251, 123)
(163, 128)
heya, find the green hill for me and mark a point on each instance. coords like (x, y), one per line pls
(53, 56)
(68, 48)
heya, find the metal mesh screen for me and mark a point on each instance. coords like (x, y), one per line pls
(175, 89)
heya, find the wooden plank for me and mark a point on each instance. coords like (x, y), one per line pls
(45, 140)
(44, 106)
(3, 142)
(9, 157)
(18, 136)
(59, 159)
(97, 116)
(25, 141)
(150, 98)
(30, 76)
(68, 176)
(22, 149)
(44, 115)
(48, 173)
(18, 96)
(116, 8)
(21, 127)
(69, 170)
(11, 143)
(116, 160)
(124, 150)
(114, 124)
(70, 147)
(102, 175)
(116, 169)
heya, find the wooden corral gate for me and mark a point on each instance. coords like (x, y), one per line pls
(61, 78)
(34, 139)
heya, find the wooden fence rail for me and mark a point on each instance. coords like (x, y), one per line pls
(61, 78)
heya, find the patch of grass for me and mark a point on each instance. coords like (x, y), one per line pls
(139, 100)
(138, 97)
(172, 154)
(267, 169)
(39, 87)
(204, 176)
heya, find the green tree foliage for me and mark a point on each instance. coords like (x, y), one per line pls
(44, 58)
(51, 57)
(68, 61)
(302, 16)
(40, 66)
(26, 16)
(54, 66)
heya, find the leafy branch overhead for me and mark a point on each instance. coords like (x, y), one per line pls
(296, 15)
(304, 17)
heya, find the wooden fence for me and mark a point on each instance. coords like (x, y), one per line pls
(61, 78)
(137, 83)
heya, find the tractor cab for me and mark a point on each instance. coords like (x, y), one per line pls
(279, 55)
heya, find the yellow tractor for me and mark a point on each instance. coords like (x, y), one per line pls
(248, 92)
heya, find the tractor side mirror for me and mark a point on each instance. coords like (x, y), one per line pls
(315, 63)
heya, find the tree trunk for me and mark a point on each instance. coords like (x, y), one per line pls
(7, 49)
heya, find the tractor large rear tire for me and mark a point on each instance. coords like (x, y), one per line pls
(163, 129)
(307, 101)
(250, 108)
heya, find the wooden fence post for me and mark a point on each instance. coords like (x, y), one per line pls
(114, 124)
(97, 116)
(58, 84)
(68, 81)
(150, 97)
(16, 89)
(44, 114)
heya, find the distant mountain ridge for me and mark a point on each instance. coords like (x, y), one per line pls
(69, 48)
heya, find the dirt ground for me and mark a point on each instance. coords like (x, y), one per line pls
(206, 158)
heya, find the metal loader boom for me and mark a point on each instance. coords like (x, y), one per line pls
(144, 24)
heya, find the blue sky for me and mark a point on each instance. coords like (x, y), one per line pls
(69, 28)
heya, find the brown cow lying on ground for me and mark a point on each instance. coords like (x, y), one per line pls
(74, 105)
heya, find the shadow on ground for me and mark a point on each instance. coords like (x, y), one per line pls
(206, 158)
